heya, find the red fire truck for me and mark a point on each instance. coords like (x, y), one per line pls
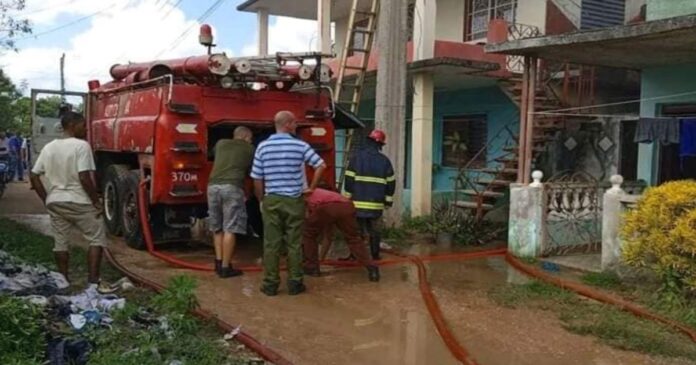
(159, 121)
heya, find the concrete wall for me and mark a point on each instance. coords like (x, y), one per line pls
(656, 82)
(633, 9)
(498, 108)
(571, 9)
(532, 12)
(661, 9)
(450, 20)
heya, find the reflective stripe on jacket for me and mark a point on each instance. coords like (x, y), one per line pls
(370, 181)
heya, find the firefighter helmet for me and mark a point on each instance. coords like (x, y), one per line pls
(378, 136)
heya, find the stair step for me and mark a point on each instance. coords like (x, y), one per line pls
(506, 171)
(509, 160)
(472, 205)
(485, 194)
(494, 182)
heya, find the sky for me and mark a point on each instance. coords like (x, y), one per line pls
(96, 34)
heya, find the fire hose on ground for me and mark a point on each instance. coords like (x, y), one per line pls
(457, 350)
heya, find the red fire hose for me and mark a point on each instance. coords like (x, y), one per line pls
(591, 293)
(457, 350)
(247, 340)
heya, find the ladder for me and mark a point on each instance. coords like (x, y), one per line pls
(348, 94)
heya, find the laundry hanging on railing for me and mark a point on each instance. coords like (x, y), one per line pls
(662, 130)
(687, 138)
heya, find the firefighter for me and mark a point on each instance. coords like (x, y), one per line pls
(324, 209)
(370, 183)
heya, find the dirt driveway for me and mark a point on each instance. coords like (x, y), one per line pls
(344, 319)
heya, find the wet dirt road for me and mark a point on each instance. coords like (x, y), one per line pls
(344, 319)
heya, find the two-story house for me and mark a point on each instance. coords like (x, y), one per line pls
(475, 96)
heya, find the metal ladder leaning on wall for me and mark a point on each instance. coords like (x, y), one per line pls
(354, 89)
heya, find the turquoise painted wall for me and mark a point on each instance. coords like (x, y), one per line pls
(498, 108)
(490, 101)
(661, 9)
(658, 82)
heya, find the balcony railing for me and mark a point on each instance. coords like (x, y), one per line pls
(515, 64)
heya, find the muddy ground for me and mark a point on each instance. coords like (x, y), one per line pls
(344, 319)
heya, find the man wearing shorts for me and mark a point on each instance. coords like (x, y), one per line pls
(72, 202)
(226, 204)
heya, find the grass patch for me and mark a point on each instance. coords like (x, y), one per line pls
(606, 280)
(610, 325)
(184, 337)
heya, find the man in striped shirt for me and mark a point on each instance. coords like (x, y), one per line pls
(278, 173)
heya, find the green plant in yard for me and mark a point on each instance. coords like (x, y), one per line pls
(660, 234)
(446, 218)
(611, 325)
(21, 332)
(178, 297)
(607, 280)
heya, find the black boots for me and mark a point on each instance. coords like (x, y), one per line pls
(227, 272)
(373, 273)
(296, 287)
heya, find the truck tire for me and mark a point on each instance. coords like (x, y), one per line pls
(112, 190)
(130, 214)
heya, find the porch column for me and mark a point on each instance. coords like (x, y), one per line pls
(526, 138)
(422, 125)
(262, 24)
(324, 26)
(422, 144)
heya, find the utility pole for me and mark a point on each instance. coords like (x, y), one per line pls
(390, 100)
(62, 77)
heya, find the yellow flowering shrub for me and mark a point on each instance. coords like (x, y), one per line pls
(660, 233)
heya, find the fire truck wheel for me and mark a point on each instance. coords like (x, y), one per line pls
(112, 189)
(130, 222)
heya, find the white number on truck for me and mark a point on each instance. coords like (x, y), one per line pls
(180, 176)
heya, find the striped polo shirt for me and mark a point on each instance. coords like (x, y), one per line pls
(280, 160)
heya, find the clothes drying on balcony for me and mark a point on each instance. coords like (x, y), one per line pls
(662, 130)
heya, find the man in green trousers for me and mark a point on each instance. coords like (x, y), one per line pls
(278, 173)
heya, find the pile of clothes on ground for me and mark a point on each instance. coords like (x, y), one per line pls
(67, 315)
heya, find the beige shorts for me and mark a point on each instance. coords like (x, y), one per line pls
(68, 217)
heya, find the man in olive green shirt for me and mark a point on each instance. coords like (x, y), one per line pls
(226, 206)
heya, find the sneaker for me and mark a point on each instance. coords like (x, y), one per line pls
(296, 287)
(105, 288)
(229, 272)
(271, 292)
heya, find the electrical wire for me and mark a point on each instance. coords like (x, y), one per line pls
(207, 13)
(175, 6)
(634, 101)
(41, 10)
(66, 25)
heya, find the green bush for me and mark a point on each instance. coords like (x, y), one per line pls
(660, 234)
(21, 332)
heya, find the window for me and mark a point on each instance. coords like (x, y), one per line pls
(480, 12)
(464, 138)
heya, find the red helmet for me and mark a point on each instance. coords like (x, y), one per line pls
(378, 136)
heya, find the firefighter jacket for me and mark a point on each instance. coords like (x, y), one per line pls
(369, 181)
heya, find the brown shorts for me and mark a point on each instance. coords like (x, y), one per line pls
(68, 217)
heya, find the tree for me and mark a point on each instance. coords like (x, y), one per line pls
(10, 26)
